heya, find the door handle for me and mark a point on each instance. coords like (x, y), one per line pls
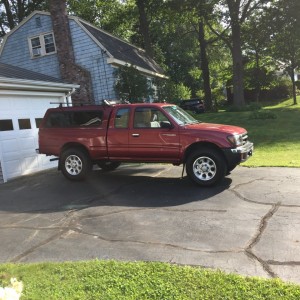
(135, 134)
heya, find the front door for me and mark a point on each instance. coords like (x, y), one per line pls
(152, 137)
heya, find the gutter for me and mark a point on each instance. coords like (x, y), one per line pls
(114, 61)
(33, 85)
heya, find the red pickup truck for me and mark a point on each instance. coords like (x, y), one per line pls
(108, 134)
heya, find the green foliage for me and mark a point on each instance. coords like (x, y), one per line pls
(131, 85)
(140, 280)
(172, 92)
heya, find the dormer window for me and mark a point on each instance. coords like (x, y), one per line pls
(42, 45)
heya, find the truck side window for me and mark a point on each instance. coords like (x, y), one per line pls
(122, 118)
(145, 117)
(74, 119)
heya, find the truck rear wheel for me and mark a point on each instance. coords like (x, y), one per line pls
(206, 167)
(75, 164)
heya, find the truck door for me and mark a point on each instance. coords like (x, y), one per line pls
(152, 137)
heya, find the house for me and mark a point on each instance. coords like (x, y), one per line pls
(31, 79)
(24, 97)
(32, 46)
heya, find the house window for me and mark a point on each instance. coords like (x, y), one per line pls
(42, 45)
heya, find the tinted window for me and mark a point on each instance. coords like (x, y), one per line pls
(6, 125)
(74, 119)
(24, 124)
(122, 117)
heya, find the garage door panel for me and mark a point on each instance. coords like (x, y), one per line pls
(27, 143)
(18, 146)
(10, 146)
(13, 168)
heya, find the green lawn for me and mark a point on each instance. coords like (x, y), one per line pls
(119, 280)
(277, 143)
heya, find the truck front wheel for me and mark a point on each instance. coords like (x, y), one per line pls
(206, 167)
(75, 164)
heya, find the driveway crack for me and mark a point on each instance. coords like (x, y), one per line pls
(256, 238)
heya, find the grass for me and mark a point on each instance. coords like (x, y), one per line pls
(140, 280)
(277, 143)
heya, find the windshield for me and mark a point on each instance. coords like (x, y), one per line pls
(180, 116)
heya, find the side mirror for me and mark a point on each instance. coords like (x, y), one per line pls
(166, 125)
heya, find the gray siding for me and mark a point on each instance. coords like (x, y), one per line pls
(89, 55)
(16, 50)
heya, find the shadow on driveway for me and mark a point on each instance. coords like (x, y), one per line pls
(130, 186)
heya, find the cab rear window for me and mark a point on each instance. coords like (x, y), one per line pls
(69, 119)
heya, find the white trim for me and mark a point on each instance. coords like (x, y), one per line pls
(41, 37)
(114, 61)
(78, 21)
(12, 83)
(35, 93)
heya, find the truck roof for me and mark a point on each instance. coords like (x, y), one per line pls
(105, 106)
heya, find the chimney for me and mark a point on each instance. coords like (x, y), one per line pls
(70, 71)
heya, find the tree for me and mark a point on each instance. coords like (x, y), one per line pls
(256, 40)
(131, 85)
(286, 37)
(12, 12)
(233, 14)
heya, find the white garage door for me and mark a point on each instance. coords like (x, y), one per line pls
(19, 120)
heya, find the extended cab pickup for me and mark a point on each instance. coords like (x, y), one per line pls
(108, 134)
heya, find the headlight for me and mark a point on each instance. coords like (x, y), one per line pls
(236, 140)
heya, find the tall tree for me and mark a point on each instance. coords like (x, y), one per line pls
(144, 26)
(234, 13)
(12, 12)
(286, 37)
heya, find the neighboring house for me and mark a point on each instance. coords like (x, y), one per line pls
(24, 98)
(31, 45)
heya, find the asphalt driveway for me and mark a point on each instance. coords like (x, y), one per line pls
(250, 224)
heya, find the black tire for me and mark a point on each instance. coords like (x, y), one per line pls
(206, 166)
(108, 165)
(75, 164)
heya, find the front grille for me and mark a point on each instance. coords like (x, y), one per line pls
(245, 138)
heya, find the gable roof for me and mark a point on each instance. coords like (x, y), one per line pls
(120, 50)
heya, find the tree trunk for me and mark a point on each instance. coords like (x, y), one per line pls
(204, 66)
(70, 71)
(238, 69)
(9, 14)
(257, 79)
(292, 74)
(237, 58)
(144, 27)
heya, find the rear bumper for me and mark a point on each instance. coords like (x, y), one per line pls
(237, 155)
